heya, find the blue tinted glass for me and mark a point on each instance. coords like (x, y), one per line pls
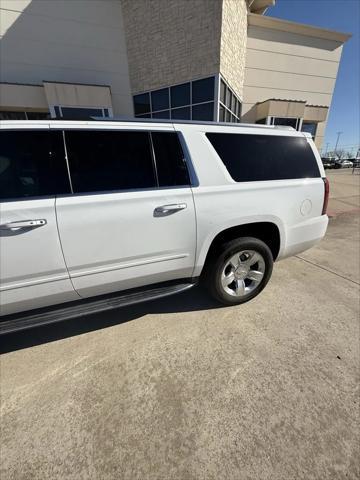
(160, 99)
(181, 113)
(203, 90)
(164, 114)
(142, 103)
(309, 128)
(180, 95)
(203, 112)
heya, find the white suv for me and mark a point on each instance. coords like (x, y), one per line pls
(99, 214)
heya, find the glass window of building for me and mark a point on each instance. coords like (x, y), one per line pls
(180, 95)
(160, 100)
(230, 105)
(142, 104)
(309, 127)
(187, 101)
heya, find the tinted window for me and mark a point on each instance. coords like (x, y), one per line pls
(289, 122)
(164, 114)
(72, 113)
(180, 95)
(12, 116)
(264, 157)
(203, 90)
(170, 163)
(160, 99)
(309, 127)
(222, 92)
(204, 111)
(109, 160)
(181, 113)
(142, 103)
(32, 164)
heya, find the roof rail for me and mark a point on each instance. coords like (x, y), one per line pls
(189, 122)
(152, 120)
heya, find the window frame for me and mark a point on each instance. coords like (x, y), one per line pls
(193, 179)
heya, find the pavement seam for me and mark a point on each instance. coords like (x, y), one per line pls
(327, 270)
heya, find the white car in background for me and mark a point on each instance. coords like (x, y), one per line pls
(100, 214)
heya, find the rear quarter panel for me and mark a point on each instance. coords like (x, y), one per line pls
(294, 206)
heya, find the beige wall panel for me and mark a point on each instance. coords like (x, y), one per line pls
(261, 60)
(79, 95)
(171, 41)
(289, 81)
(77, 41)
(286, 109)
(233, 44)
(22, 96)
(316, 114)
(256, 94)
(293, 44)
(262, 110)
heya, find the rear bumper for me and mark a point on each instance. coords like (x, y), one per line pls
(303, 236)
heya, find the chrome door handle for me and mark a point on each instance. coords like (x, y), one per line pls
(169, 209)
(23, 224)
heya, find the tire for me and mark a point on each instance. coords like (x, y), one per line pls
(222, 267)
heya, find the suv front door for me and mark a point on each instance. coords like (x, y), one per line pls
(33, 170)
(131, 220)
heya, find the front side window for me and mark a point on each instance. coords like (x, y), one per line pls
(170, 163)
(32, 164)
(109, 160)
(251, 158)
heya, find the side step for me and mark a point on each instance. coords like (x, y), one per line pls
(23, 321)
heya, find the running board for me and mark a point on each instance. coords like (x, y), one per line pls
(87, 307)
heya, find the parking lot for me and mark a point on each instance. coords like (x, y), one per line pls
(183, 389)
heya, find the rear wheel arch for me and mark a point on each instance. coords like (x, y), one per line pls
(268, 232)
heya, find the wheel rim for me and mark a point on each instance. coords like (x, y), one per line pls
(242, 273)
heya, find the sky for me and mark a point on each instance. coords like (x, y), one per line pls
(344, 16)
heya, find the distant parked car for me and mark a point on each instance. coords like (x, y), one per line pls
(328, 162)
(343, 164)
(355, 162)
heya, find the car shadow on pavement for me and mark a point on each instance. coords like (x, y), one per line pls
(192, 300)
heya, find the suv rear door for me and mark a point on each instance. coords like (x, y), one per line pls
(131, 219)
(32, 268)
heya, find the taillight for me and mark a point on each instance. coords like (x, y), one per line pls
(326, 195)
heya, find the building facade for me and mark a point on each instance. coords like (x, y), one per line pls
(220, 60)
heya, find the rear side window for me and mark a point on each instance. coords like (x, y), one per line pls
(32, 164)
(264, 157)
(109, 160)
(170, 162)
